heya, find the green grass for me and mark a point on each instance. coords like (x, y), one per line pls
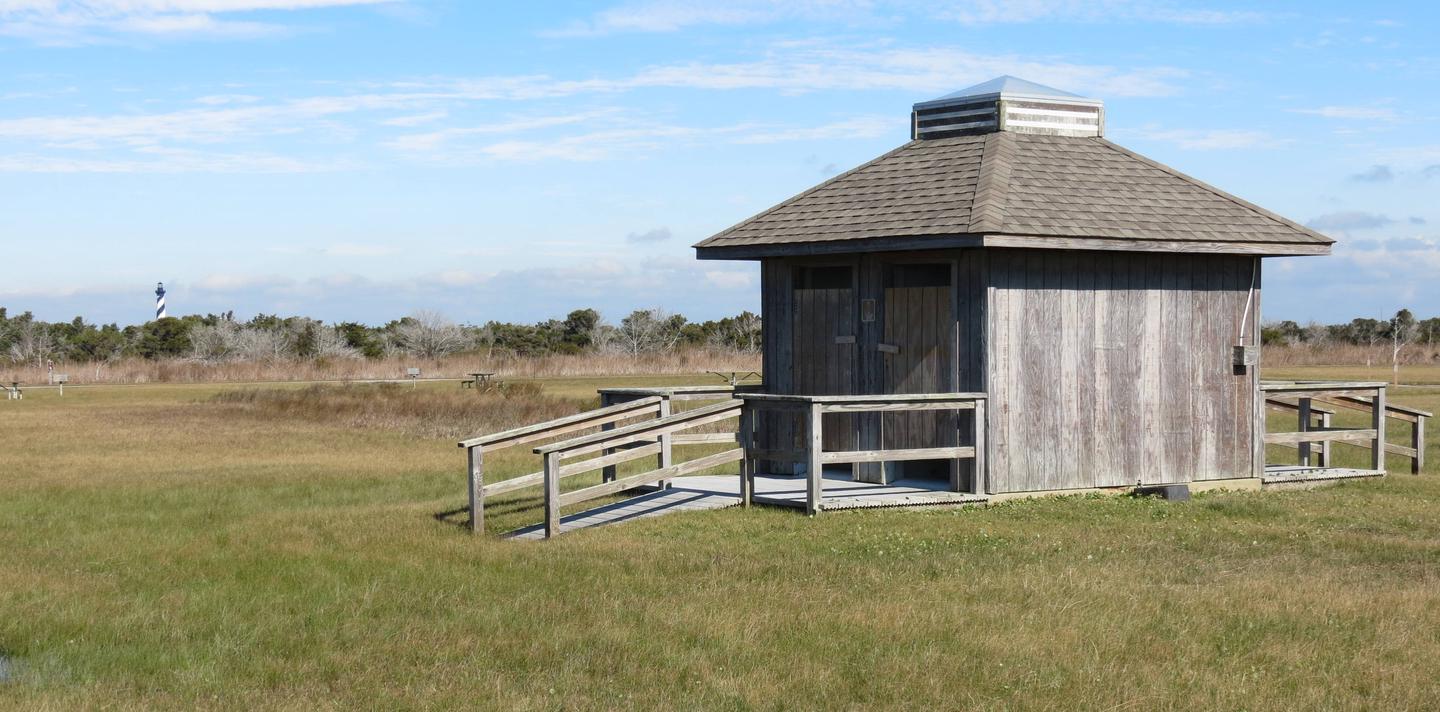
(160, 550)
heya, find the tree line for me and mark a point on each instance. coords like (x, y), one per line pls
(1403, 328)
(220, 338)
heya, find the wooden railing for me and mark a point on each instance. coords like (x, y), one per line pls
(1307, 399)
(1320, 418)
(475, 448)
(655, 437)
(812, 409)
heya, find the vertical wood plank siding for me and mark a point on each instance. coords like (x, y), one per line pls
(1112, 369)
(1104, 369)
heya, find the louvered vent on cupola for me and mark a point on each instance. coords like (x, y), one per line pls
(1008, 104)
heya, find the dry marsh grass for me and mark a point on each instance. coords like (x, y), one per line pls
(393, 407)
(159, 552)
(1340, 354)
(139, 371)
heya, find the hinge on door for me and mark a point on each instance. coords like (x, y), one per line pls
(845, 339)
(887, 348)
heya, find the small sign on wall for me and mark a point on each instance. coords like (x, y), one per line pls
(867, 310)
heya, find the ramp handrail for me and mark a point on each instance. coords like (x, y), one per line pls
(1309, 400)
(654, 437)
(476, 447)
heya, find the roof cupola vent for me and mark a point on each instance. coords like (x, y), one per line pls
(1008, 104)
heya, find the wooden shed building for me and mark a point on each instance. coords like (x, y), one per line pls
(1107, 305)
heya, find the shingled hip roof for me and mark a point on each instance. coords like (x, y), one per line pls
(1013, 190)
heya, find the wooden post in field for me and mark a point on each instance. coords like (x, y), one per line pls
(980, 483)
(552, 495)
(1377, 419)
(814, 468)
(747, 463)
(477, 488)
(1303, 414)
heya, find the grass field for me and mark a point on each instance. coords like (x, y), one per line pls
(160, 548)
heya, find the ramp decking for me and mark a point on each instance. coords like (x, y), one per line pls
(689, 494)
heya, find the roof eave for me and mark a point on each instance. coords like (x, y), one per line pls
(1040, 242)
(836, 247)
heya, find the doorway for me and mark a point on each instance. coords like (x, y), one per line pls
(917, 355)
(823, 342)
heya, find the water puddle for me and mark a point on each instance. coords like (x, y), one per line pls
(6, 669)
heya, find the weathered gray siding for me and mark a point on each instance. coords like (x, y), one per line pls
(1112, 369)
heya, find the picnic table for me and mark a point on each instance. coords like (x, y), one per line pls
(478, 380)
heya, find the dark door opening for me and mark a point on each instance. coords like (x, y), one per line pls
(918, 356)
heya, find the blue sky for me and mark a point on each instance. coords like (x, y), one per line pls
(359, 160)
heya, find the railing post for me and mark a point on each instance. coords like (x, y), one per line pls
(1303, 412)
(1417, 441)
(980, 481)
(552, 495)
(814, 475)
(747, 442)
(1377, 418)
(607, 474)
(1324, 456)
(477, 488)
(666, 457)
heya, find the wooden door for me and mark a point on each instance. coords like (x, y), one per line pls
(917, 350)
(823, 333)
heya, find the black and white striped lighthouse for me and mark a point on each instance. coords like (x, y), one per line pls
(160, 300)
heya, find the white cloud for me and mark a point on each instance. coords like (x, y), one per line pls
(158, 160)
(1211, 139)
(728, 279)
(74, 22)
(438, 139)
(659, 234)
(985, 12)
(1351, 112)
(860, 127)
(350, 249)
(674, 15)
(415, 119)
(170, 141)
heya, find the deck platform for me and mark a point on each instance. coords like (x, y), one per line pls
(688, 494)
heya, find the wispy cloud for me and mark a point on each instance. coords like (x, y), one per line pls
(1211, 139)
(350, 249)
(1359, 113)
(860, 127)
(674, 15)
(1350, 220)
(390, 114)
(985, 12)
(659, 234)
(75, 22)
(1374, 174)
(169, 160)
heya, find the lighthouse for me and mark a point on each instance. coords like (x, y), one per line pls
(160, 300)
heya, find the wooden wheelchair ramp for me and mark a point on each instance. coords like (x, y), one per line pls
(678, 498)
(706, 492)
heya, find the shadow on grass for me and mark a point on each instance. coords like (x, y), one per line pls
(460, 516)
